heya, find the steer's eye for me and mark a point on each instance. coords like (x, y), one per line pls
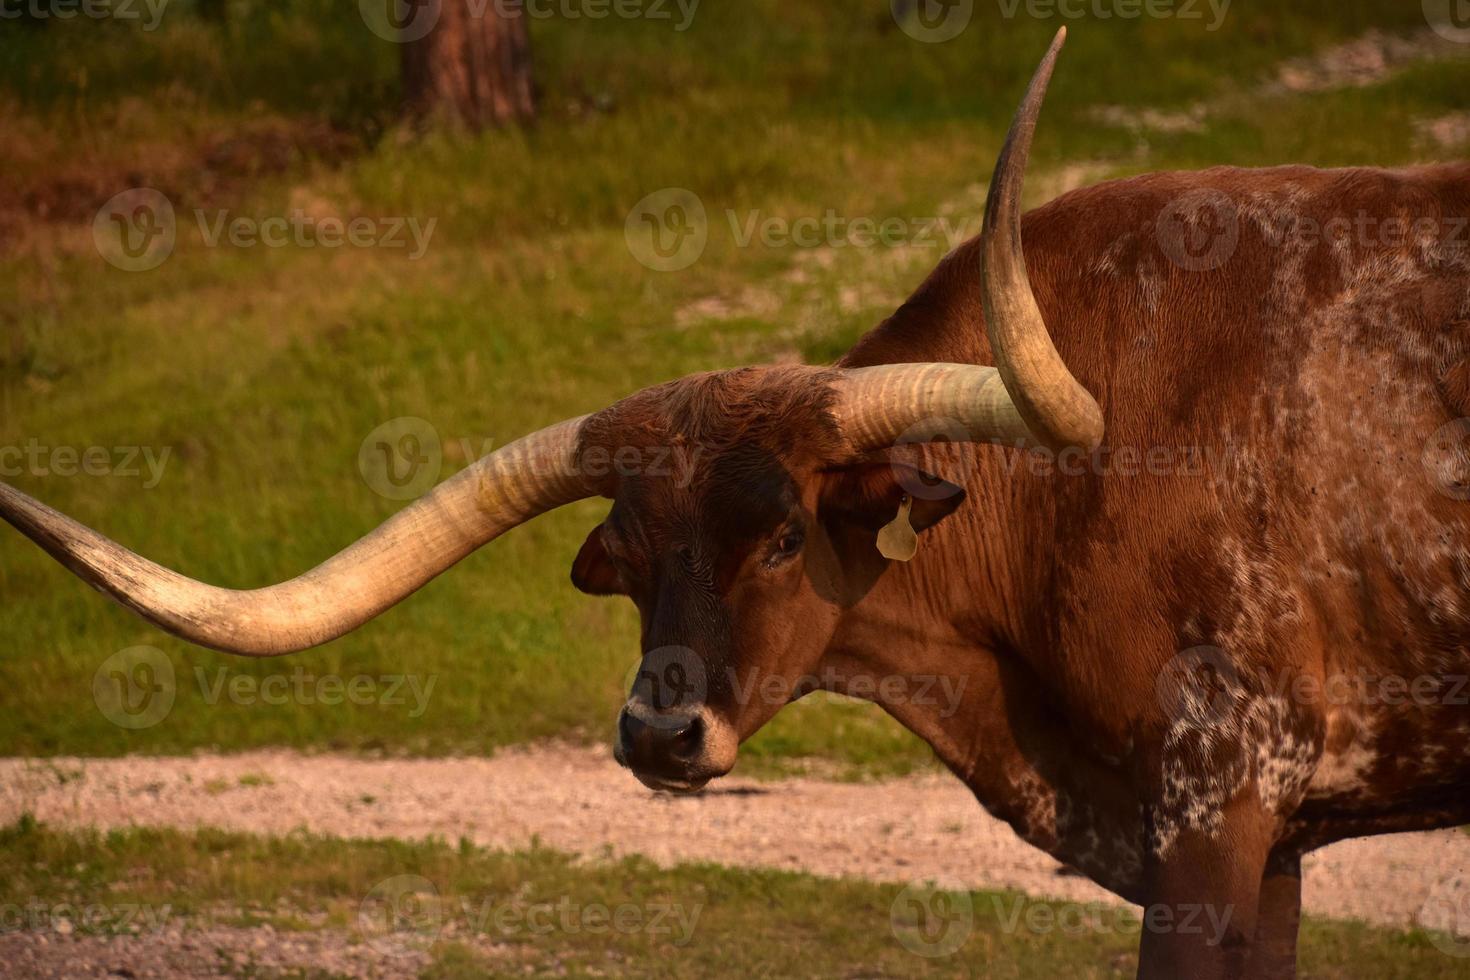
(787, 546)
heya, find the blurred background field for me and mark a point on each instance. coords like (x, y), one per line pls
(264, 369)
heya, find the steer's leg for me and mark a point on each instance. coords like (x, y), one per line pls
(1203, 888)
(1278, 919)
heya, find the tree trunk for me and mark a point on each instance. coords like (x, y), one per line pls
(473, 65)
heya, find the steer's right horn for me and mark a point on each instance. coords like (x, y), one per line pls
(1029, 397)
(506, 488)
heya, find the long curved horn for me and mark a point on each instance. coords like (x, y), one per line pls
(1059, 412)
(507, 488)
(1030, 399)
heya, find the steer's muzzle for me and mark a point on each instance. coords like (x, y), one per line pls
(668, 750)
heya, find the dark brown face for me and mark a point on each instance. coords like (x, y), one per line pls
(741, 554)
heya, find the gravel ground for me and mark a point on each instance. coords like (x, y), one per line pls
(923, 828)
(210, 953)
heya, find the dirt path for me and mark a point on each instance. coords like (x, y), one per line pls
(576, 799)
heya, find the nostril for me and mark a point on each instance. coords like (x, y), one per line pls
(687, 741)
(668, 737)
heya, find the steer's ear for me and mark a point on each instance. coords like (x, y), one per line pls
(869, 495)
(593, 571)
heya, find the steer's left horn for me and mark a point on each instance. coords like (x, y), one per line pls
(506, 488)
(1059, 412)
(1029, 398)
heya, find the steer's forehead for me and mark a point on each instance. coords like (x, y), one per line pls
(708, 510)
(744, 427)
(710, 456)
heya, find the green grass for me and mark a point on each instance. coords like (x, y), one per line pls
(263, 370)
(694, 920)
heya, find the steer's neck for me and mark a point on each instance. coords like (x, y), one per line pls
(950, 667)
(948, 645)
(937, 639)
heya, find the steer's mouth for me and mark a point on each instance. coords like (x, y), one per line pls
(679, 787)
(682, 784)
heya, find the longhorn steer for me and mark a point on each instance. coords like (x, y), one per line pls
(1293, 526)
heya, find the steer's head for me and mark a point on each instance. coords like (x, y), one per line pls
(741, 526)
(745, 510)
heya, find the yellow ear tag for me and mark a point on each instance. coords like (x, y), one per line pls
(897, 540)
